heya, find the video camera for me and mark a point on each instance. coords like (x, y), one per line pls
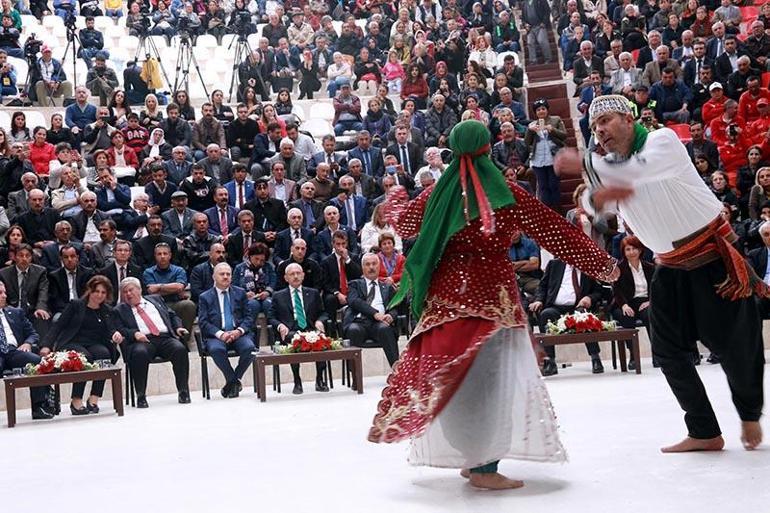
(242, 23)
(70, 20)
(32, 47)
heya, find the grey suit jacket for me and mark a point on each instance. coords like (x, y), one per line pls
(616, 79)
(101, 254)
(652, 71)
(225, 169)
(295, 169)
(36, 287)
(17, 204)
(171, 226)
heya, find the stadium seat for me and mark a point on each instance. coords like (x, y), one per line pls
(227, 40)
(5, 120)
(318, 127)
(322, 110)
(52, 21)
(35, 118)
(298, 111)
(103, 22)
(21, 70)
(682, 131)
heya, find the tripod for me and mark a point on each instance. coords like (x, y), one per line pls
(73, 41)
(242, 52)
(184, 57)
(148, 47)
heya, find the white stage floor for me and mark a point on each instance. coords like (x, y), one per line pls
(308, 454)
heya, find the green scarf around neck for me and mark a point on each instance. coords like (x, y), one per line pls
(640, 137)
(444, 213)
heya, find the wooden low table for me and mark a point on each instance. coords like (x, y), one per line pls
(352, 355)
(620, 336)
(12, 383)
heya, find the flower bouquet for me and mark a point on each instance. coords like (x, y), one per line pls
(61, 361)
(309, 341)
(579, 322)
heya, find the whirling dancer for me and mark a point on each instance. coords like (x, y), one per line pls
(702, 287)
(467, 390)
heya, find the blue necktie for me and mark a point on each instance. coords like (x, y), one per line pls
(4, 346)
(229, 325)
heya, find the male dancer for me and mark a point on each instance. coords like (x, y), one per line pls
(702, 287)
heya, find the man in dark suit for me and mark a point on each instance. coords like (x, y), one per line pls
(69, 281)
(202, 275)
(18, 202)
(177, 222)
(584, 65)
(338, 270)
(18, 339)
(217, 167)
(322, 242)
(723, 64)
(178, 168)
(354, 209)
(144, 248)
(111, 195)
(365, 185)
(298, 308)
(758, 260)
(39, 221)
(26, 285)
(121, 268)
(691, 69)
(239, 189)
(367, 315)
(269, 213)
(285, 238)
(266, 146)
(407, 153)
(563, 290)
(715, 45)
(241, 240)
(151, 329)
(335, 159)
(371, 158)
(699, 144)
(312, 209)
(222, 215)
(226, 321)
(310, 267)
(85, 224)
(50, 253)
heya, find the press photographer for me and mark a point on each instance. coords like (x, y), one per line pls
(49, 79)
(138, 20)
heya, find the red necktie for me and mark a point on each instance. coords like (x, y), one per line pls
(223, 222)
(147, 321)
(343, 278)
(240, 195)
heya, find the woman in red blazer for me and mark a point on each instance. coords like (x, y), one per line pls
(41, 153)
(391, 261)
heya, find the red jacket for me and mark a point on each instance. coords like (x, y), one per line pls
(733, 157)
(757, 130)
(747, 104)
(129, 156)
(712, 110)
(137, 138)
(718, 128)
(397, 271)
(41, 156)
(417, 89)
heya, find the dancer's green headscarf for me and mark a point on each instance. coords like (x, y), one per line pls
(450, 209)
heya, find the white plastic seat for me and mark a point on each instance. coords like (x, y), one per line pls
(5, 120)
(130, 43)
(59, 31)
(52, 21)
(206, 41)
(318, 127)
(227, 39)
(253, 40)
(22, 69)
(103, 22)
(322, 111)
(35, 118)
(298, 111)
(159, 41)
(114, 31)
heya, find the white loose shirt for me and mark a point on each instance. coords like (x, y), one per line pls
(670, 200)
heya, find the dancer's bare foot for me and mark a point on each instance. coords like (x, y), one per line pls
(465, 473)
(696, 444)
(751, 436)
(494, 481)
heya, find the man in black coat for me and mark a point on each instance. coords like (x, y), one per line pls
(49, 257)
(758, 260)
(69, 281)
(151, 329)
(144, 248)
(336, 283)
(313, 275)
(584, 65)
(26, 286)
(285, 238)
(298, 308)
(269, 213)
(564, 290)
(367, 315)
(39, 221)
(700, 145)
(85, 224)
(265, 147)
(241, 239)
(121, 268)
(407, 153)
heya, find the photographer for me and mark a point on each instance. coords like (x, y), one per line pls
(101, 80)
(50, 80)
(62, 8)
(240, 20)
(9, 38)
(136, 88)
(91, 43)
(7, 76)
(214, 21)
(649, 121)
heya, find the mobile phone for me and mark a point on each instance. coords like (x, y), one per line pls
(541, 123)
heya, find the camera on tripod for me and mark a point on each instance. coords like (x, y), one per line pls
(70, 20)
(242, 23)
(32, 47)
(183, 26)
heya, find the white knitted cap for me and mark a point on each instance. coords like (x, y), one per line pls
(609, 103)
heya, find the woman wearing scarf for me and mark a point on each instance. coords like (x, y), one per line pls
(157, 150)
(467, 390)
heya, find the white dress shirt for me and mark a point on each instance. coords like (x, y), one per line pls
(92, 232)
(640, 282)
(9, 336)
(221, 299)
(566, 295)
(377, 302)
(154, 316)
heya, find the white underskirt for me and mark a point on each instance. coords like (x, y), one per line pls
(501, 410)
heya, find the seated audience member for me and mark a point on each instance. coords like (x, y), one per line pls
(672, 98)
(226, 322)
(151, 329)
(157, 151)
(199, 189)
(159, 189)
(298, 308)
(241, 134)
(112, 197)
(178, 167)
(285, 238)
(758, 258)
(242, 238)
(392, 261)
(269, 213)
(198, 244)
(66, 199)
(176, 131)
(353, 208)
(87, 326)
(50, 253)
(266, 146)
(120, 268)
(132, 222)
(563, 290)
(325, 187)
(68, 282)
(170, 281)
(17, 343)
(370, 157)
(280, 187)
(49, 79)
(336, 159)
(136, 136)
(323, 239)
(364, 185)
(144, 248)
(257, 277)
(312, 209)
(26, 286)
(240, 189)
(122, 159)
(85, 224)
(525, 256)
(337, 270)
(38, 221)
(18, 201)
(222, 216)
(178, 221)
(202, 275)
(310, 267)
(217, 166)
(631, 296)
(207, 130)
(367, 315)
(295, 168)
(372, 230)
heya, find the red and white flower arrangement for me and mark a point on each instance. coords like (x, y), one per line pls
(579, 322)
(310, 342)
(61, 361)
